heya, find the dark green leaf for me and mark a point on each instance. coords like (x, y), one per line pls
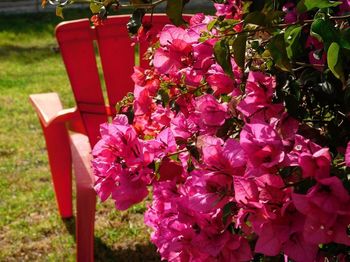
(223, 56)
(238, 48)
(174, 11)
(307, 5)
(327, 88)
(277, 48)
(256, 18)
(193, 151)
(164, 96)
(334, 60)
(227, 211)
(292, 105)
(345, 39)
(324, 31)
(292, 40)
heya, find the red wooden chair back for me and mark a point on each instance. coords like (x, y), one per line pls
(76, 41)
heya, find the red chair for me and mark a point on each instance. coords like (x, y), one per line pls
(71, 133)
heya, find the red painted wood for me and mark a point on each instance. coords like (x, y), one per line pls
(48, 108)
(75, 40)
(117, 57)
(85, 198)
(57, 143)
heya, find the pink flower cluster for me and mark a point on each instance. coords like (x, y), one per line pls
(230, 177)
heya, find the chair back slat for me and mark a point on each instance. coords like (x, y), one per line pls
(117, 57)
(75, 40)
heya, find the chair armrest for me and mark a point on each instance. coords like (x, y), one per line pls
(81, 155)
(49, 108)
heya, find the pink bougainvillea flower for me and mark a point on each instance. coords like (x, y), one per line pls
(219, 81)
(162, 116)
(207, 191)
(301, 145)
(169, 170)
(260, 87)
(175, 52)
(203, 55)
(262, 145)
(236, 249)
(259, 91)
(246, 190)
(230, 9)
(317, 56)
(299, 250)
(106, 176)
(228, 157)
(182, 128)
(347, 155)
(198, 24)
(120, 143)
(210, 112)
(143, 101)
(163, 144)
(344, 7)
(291, 12)
(323, 206)
(177, 57)
(271, 237)
(171, 32)
(129, 191)
(286, 125)
(316, 165)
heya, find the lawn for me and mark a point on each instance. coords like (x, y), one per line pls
(30, 227)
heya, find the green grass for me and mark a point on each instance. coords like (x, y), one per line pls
(30, 227)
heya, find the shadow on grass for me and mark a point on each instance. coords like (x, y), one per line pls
(104, 253)
(138, 253)
(27, 54)
(69, 223)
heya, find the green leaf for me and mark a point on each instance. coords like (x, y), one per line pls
(239, 48)
(292, 105)
(174, 11)
(164, 96)
(292, 40)
(307, 5)
(334, 60)
(95, 8)
(59, 11)
(277, 48)
(211, 24)
(223, 56)
(324, 31)
(227, 211)
(345, 39)
(256, 18)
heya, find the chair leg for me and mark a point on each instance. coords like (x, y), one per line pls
(86, 197)
(58, 148)
(86, 205)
